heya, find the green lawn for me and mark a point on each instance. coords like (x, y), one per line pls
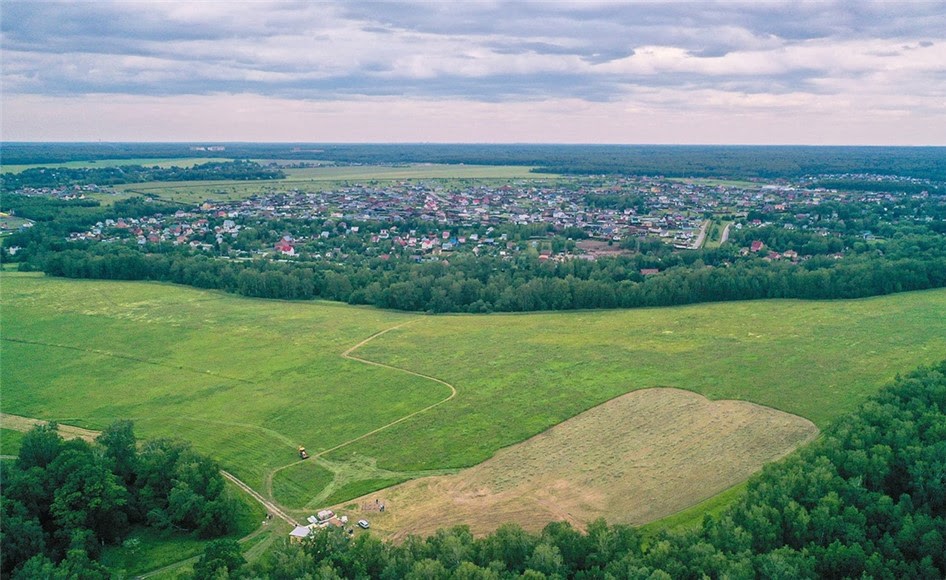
(247, 381)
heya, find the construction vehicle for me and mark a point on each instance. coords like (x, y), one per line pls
(302, 453)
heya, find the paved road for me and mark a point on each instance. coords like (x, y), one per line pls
(702, 236)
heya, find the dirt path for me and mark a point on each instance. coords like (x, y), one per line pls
(348, 354)
(723, 238)
(272, 507)
(18, 423)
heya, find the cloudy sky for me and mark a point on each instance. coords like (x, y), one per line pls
(756, 71)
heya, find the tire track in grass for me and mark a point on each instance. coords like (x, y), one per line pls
(131, 358)
(348, 355)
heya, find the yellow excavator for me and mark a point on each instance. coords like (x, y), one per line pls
(302, 453)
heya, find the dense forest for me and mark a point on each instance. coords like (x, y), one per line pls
(680, 161)
(481, 284)
(868, 499)
(61, 501)
(44, 177)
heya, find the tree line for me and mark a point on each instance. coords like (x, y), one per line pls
(53, 177)
(467, 283)
(868, 499)
(63, 500)
(669, 160)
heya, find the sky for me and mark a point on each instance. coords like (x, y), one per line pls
(735, 72)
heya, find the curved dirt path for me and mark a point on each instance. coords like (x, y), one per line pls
(268, 483)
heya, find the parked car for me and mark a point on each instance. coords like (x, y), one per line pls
(363, 524)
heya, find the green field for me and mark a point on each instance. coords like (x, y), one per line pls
(143, 161)
(247, 381)
(319, 178)
(10, 441)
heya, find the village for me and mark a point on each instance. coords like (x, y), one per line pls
(430, 220)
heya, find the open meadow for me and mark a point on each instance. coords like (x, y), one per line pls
(380, 397)
(320, 178)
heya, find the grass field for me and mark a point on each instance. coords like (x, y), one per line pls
(143, 161)
(634, 459)
(247, 381)
(10, 441)
(319, 178)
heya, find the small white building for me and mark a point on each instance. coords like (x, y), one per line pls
(299, 533)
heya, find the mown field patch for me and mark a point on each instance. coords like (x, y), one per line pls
(634, 459)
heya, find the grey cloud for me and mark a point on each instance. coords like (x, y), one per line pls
(203, 48)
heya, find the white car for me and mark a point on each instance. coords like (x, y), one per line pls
(363, 524)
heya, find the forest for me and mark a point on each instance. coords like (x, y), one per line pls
(61, 501)
(667, 160)
(868, 499)
(44, 177)
(485, 284)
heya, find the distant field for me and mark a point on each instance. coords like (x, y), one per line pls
(319, 178)
(634, 459)
(247, 381)
(143, 161)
